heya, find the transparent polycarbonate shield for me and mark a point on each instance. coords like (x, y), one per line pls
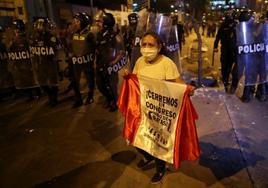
(172, 46)
(117, 52)
(21, 65)
(44, 59)
(251, 52)
(110, 52)
(265, 30)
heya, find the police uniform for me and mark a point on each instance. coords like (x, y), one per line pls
(43, 49)
(227, 35)
(110, 48)
(20, 61)
(82, 54)
(129, 36)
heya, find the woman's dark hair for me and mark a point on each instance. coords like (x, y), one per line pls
(159, 41)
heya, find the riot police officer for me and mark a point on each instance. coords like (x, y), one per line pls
(43, 49)
(251, 62)
(110, 50)
(20, 60)
(6, 82)
(130, 33)
(82, 53)
(227, 36)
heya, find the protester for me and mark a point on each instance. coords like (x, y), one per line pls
(153, 64)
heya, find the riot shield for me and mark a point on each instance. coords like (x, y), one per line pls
(43, 50)
(5, 74)
(172, 46)
(250, 52)
(162, 25)
(111, 60)
(265, 30)
(21, 65)
(111, 54)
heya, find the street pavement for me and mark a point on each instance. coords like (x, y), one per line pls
(63, 147)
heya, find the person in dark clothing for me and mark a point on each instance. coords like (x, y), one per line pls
(213, 28)
(227, 36)
(82, 54)
(180, 28)
(66, 38)
(110, 50)
(44, 47)
(19, 58)
(203, 24)
(129, 36)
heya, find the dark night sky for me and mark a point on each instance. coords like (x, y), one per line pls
(160, 5)
(109, 4)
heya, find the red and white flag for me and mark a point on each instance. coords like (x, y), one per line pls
(159, 118)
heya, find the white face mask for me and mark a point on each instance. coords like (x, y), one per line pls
(149, 54)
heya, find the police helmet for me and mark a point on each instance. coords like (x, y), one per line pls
(245, 16)
(228, 17)
(84, 19)
(133, 18)
(108, 20)
(18, 25)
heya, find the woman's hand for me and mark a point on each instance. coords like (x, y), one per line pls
(125, 73)
(191, 93)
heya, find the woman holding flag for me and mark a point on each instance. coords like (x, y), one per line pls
(148, 126)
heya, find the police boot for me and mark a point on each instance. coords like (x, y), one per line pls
(78, 100)
(261, 92)
(54, 96)
(247, 94)
(30, 95)
(77, 103)
(113, 106)
(232, 89)
(233, 86)
(226, 87)
(89, 98)
(54, 102)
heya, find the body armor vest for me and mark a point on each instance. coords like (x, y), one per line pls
(82, 49)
